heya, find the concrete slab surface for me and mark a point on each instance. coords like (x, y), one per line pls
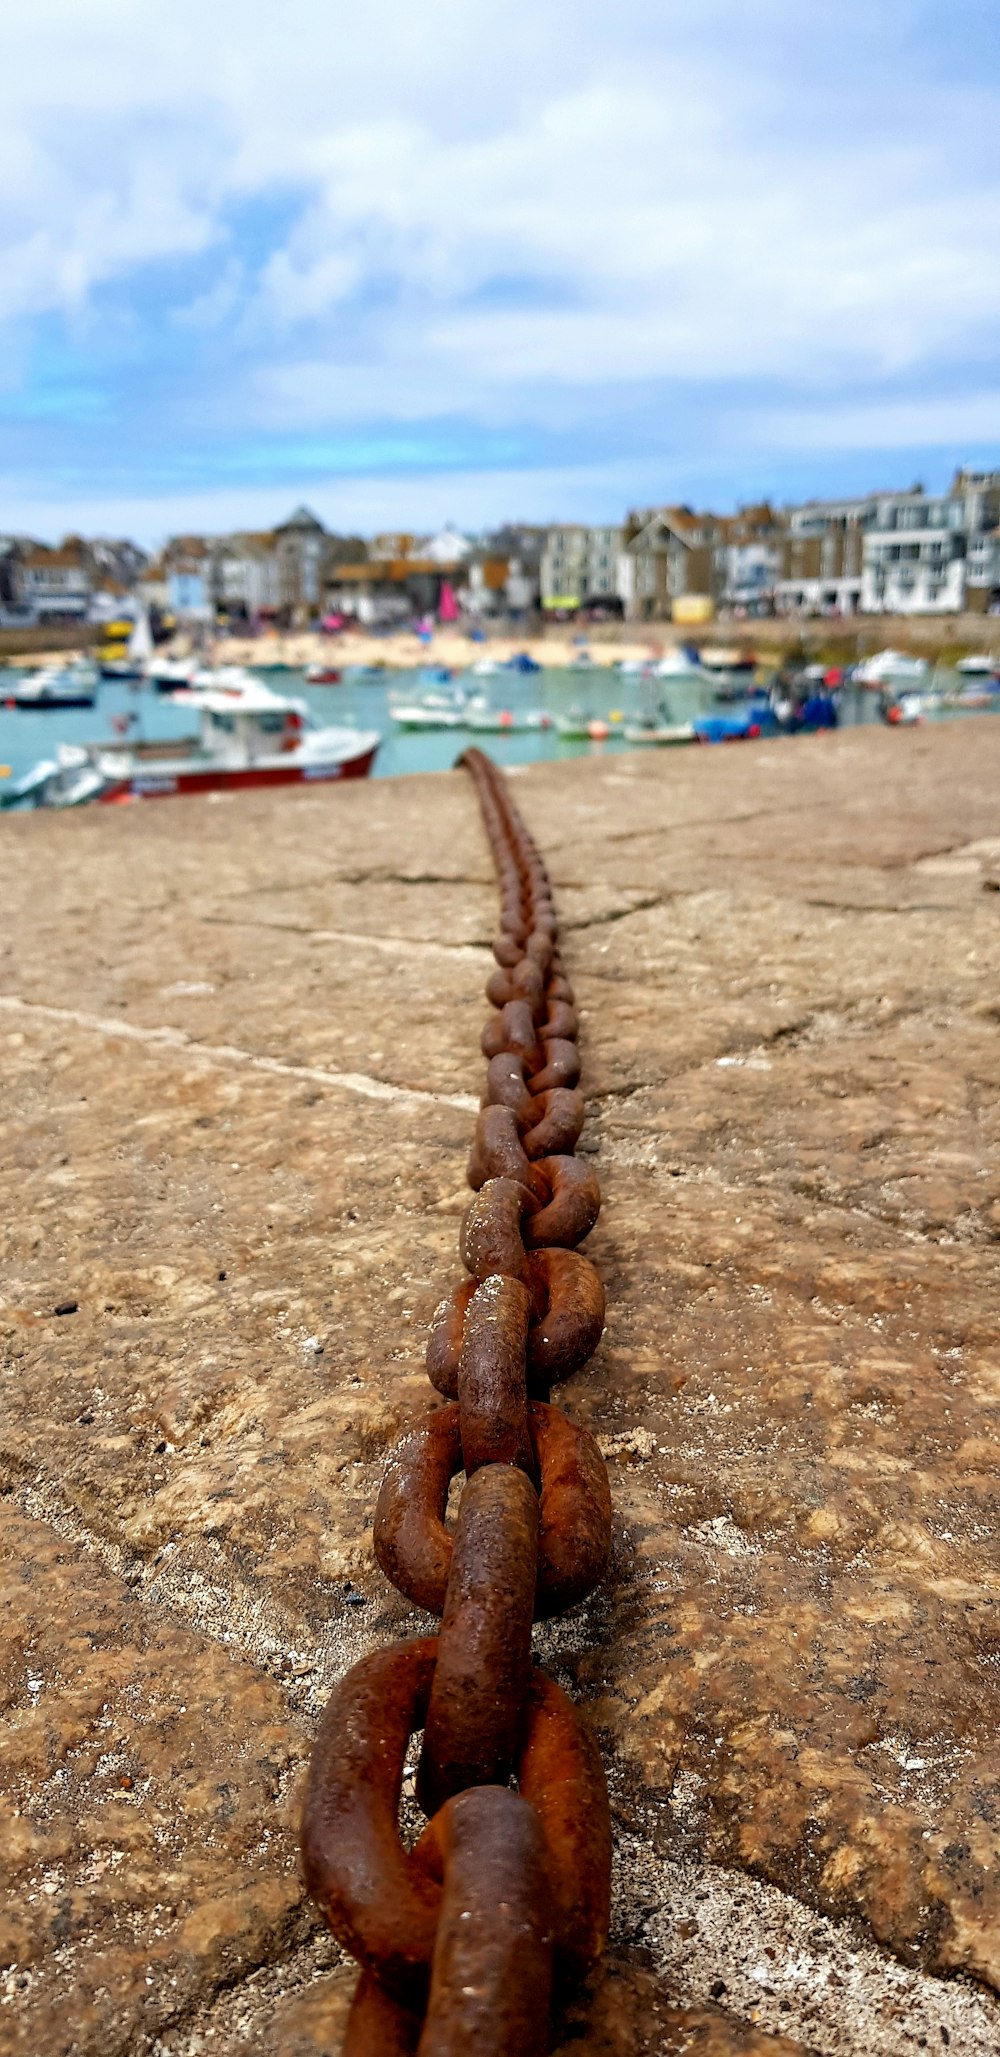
(240, 1043)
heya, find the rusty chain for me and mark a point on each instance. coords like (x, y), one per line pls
(506, 1893)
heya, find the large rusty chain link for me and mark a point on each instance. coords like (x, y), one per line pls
(506, 1893)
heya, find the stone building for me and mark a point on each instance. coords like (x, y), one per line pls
(667, 554)
(300, 544)
(579, 566)
(746, 558)
(55, 585)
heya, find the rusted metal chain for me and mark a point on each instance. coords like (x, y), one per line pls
(463, 1939)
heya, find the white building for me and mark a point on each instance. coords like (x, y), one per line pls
(914, 557)
(449, 546)
(248, 575)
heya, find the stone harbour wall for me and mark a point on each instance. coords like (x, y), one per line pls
(240, 1069)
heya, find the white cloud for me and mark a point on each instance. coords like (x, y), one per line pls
(497, 212)
(946, 422)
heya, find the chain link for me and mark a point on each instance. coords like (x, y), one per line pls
(506, 1894)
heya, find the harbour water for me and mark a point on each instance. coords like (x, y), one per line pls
(363, 703)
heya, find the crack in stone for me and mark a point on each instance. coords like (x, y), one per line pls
(388, 945)
(229, 1054)
(859, 907)
(215, 1603)
(620, 1147)
(700, 821)
(377, 875)
(595, 921)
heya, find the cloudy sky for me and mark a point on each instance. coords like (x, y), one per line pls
(480, 259)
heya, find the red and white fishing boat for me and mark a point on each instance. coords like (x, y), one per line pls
(248, 736)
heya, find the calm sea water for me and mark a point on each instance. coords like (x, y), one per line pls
(27, 737)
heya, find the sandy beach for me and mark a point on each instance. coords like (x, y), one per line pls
(939, 637)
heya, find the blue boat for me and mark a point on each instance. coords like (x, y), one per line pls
(742, 726)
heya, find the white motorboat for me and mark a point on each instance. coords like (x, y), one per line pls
(715, 658)
(57, 685)
(677, 664)
(978, 666)
(890, 667)
(249, 736)
(443, 707)
(232, 679)
(171, 674)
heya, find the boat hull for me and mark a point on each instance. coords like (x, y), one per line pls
(153, 785)
(49, 703)
(663, 738)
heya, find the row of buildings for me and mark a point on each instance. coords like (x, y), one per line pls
(300, 572)
(78, 581)
(883, 553)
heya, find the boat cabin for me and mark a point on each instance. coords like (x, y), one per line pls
(242, 727)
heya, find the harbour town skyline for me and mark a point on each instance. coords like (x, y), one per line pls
(885, 552)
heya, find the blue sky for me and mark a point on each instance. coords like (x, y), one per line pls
(482, 260)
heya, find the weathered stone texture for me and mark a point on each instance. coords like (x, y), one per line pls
(241, 1058)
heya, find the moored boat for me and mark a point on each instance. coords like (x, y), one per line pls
(681, 663)
(446, 706)
(578, 726)
(248, 737)
(978, 666)
(904, 710)
(664, 733)
(715, 658)
(509, 721)
(656, 725)
(323, 675)
(56, 686)
(890, 667)
(171, 674)
(979, 692)
(744, 726)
